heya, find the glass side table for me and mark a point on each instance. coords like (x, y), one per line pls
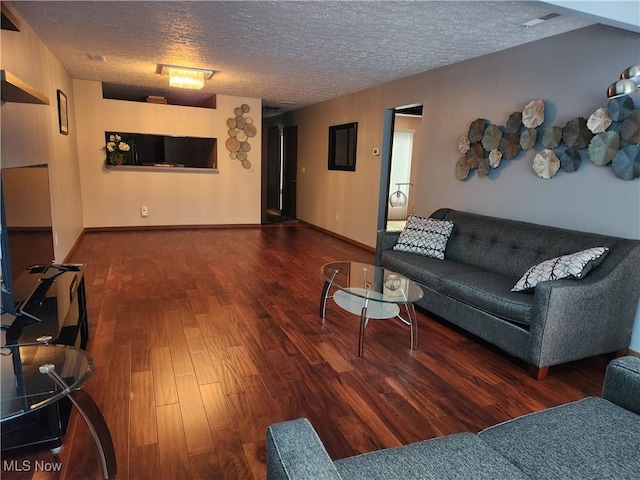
(371, 292)
(36, 377)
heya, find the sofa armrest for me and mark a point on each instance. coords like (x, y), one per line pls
(574, 319)
(622, 383)
(294, 451)
(385, 241)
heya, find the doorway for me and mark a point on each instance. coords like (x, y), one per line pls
(402, 128)
(282, 165)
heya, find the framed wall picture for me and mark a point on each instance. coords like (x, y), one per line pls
(63, 113)
(342, 147)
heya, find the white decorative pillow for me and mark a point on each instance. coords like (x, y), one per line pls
(424, 236)
(575, 265)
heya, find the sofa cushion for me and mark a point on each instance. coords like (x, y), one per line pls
(588, 439)
(424, 236)
(511, 247)
(427, 271)
(459, 456)
(491, 293)
(575, 265)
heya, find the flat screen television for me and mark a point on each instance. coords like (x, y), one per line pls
(26, 233)
(167, 150)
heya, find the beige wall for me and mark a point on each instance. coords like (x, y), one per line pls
(113, 197)
(32, 210)
(29, 133)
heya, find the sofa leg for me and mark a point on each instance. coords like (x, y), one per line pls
(620, 353)
(539, 373)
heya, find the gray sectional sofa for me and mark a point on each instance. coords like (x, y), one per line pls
(594, 438)
(558, 322)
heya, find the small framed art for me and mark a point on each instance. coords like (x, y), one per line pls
(63, 113)
(342, 146)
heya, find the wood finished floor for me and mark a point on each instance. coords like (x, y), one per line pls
(204, 337)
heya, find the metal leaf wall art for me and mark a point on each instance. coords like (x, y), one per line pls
(241, 128)
(609, 137)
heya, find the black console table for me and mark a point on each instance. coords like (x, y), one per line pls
(36, 379)
(51, 309)
(52, 304)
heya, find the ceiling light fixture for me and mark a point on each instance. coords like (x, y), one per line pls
(186, 77)
(629, 82)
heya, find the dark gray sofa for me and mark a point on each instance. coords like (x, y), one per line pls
(560, 321)
(594, 438)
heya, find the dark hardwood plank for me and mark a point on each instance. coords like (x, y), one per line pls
(215, 406)
(143, 418)
(194, 418)
(233, 462)
(203, 337)
(172, 448)
(164, 383)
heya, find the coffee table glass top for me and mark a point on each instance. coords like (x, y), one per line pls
(25, 389)
(369, 281)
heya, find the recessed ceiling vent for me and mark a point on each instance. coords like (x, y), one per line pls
(95, 57)
(539, 20)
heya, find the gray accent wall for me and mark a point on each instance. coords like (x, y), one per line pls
(571, 72)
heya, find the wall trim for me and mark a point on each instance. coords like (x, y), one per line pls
(333, 234)
(74, 247)
(133, 228)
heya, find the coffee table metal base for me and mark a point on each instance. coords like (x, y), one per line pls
(370, 309)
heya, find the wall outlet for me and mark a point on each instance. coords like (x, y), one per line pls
(144, 211)
(56, 237)
(337, 216)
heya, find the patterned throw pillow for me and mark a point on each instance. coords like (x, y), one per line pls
(576, 265)
(424, 236)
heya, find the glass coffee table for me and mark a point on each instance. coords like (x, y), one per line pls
(371, 292)
(35, 378)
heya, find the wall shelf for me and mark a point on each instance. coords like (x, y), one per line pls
(15, 90)
(159, 168)
(9, 21)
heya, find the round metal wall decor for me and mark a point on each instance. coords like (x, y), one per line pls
(603, 147)
(552, 137)
(240, 129)
(510, 145)
(474, 155)
(491, 137)
(476, 130)
(610, 136)
(546, 164)
(599, 121)
(533, 114)
(576, 134)
(483, 167)
(631, 127)
(494, 158)
(626, 163)
(463, 144)
(620, 108)
(570, 160)
(462, 168)
(528, 138)
(514, 122)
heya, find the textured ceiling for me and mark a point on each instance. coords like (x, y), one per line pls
(287, 53)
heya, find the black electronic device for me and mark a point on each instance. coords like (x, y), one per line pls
(51, 308)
